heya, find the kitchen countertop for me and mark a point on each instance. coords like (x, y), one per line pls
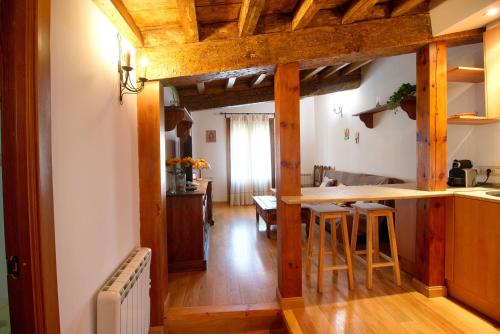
(384, 192)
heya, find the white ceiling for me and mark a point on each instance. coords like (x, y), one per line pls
(452, 16)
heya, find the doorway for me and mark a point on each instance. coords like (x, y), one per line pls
(29, 280)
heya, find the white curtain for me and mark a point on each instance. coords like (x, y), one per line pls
(250, 158)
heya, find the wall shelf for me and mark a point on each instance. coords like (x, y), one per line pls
(178, 117)
(408, 104)
(471, 120)
(466, 74)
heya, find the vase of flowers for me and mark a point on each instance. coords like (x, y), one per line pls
(201, 164)
(176, 168)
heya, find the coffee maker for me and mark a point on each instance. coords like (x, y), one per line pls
(462, 174)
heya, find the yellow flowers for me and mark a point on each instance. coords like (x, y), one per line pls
(173, 161)
(201, 164)
(188, 161)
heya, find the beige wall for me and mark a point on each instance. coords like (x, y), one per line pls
(95, 169)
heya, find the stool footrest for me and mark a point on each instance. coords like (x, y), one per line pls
(376, 264)
(337, 267)
(382, 264)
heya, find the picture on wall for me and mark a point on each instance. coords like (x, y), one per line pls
(211, 136)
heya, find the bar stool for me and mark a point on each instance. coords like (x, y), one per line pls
(373, 211)
(332, 212)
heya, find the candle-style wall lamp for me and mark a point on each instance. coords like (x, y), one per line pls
(126, 85)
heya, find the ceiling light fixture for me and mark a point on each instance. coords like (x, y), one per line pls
(492, 11)
(126, 85)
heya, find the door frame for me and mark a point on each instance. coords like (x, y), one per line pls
(27, 164)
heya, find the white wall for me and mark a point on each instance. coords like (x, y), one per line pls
(95, 167)
(387, 149)
(390, 148)
(215, 153)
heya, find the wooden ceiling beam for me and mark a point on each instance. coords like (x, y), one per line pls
(265, 93)
(332, 70)
(207, 77)
(405, 7)
(358, 10)
(188, 21)
(249, 16)
(355, 66)
(257, 80)
(311, 47)
(230, 83)
(200, 86)
(305, 13)
(311, 73)
(118, 15)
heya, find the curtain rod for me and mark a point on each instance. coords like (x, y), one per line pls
(246, 113)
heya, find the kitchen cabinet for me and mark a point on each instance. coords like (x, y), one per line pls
(473, 254)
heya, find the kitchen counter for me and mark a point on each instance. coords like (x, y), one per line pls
(383, 192)
(477, 193)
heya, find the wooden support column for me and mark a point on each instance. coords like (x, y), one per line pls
(287, 146)
(431, 168)
(152, 187)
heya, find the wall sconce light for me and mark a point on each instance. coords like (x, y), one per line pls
(126, 85)
(338, 111)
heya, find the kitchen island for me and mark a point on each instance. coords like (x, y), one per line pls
(464, 238)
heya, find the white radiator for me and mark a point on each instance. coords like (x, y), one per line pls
(123, 303)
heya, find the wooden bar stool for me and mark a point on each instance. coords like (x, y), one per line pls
(331, 212)
(373, 211)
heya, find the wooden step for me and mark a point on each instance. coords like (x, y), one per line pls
(252, 318)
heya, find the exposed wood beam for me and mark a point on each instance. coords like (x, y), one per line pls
(187, 18)
(257, 80)
(332, 70)
(206, 77)
(311, 47)
(431, 117)
(200, 86)
(118, 15)
(311, 73)
(305, 13)
(431, 164)
(238, 96)
(287, 135)
(358, 10)
(355, 66)
(230, 83)
(249, 16)
(405, 7)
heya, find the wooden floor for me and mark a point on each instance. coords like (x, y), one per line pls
(242, 270)
(241, 265)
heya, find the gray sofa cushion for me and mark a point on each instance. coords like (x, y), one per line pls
(357, 179)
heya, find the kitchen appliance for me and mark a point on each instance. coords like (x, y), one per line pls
(462, 174)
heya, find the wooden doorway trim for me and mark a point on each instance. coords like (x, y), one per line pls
(153, 191)
(27, 164)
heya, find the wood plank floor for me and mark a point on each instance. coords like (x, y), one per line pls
(242, 270)
(241, 265)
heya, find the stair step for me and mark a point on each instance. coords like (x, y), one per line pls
(252, 318)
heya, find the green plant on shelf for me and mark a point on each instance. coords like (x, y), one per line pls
(403, 91)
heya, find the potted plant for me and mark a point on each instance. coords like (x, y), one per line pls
(405, 98)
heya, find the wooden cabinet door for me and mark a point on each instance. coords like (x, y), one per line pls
(474, 276)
